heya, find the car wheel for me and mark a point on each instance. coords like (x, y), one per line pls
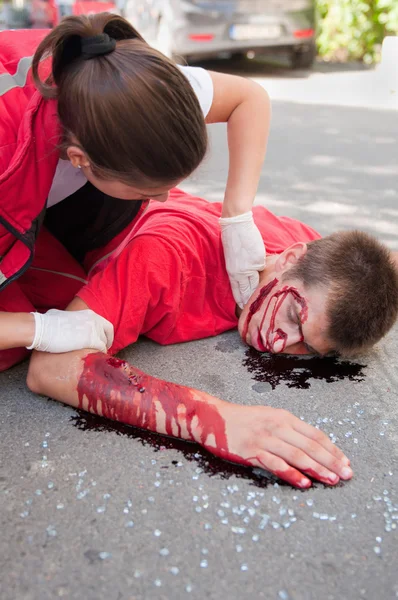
(238, 56)
(303, 58)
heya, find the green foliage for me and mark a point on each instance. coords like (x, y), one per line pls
(354, 29)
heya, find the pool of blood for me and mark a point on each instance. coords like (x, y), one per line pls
(210, 464)
(296, 371)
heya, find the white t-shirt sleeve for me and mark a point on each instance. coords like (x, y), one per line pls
(202, 85)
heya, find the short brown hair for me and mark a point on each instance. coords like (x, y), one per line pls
(362, 282)
(132, 111)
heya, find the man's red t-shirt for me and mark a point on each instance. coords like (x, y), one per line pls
(169, 282)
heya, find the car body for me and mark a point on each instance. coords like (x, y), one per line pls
(194, 29)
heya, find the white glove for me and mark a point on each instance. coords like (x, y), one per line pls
(64, 331)
(244, 253)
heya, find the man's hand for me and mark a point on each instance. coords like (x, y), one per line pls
(244, 253)
(60, 331)
(282, 444)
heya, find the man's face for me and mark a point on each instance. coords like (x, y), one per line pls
(284, 316)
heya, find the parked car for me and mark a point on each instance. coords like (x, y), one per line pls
(193, 29)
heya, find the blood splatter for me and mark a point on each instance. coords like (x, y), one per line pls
(296, 371)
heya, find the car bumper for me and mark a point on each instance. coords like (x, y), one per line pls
(196, 36)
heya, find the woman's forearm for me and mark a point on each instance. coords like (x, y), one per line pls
(248, 130)
(16, 330)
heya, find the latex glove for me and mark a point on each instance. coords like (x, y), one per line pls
(244, 253)
(63, 331)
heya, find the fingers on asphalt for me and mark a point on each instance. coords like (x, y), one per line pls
(321, 438)
(316, 451)
(296, 458)
(277, 466)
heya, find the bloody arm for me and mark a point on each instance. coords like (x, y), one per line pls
(256, 436)
(114, 389)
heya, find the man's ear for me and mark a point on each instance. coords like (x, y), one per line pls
(290, 257)
(77, 157)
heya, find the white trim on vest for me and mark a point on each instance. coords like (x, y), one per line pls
(9, 82)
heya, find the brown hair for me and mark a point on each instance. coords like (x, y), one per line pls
(362, 283)
(132, 111)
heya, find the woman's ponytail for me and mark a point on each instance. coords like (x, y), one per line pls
(65, 44)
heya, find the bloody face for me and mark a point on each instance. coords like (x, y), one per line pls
(282, 316)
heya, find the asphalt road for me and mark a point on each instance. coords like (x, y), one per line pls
(94, 513)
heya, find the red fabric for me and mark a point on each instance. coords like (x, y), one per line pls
(169, 282)
(52, 282)
(90, 7)
(29, 136)
(44, 14)
(100, 255)
(54, 278)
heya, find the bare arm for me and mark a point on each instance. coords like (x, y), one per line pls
(246, 107)
(110, 387)
(16, 330)
(256, 436)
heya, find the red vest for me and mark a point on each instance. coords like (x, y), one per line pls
(29, 134)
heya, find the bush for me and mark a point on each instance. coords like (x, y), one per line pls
(355, 29)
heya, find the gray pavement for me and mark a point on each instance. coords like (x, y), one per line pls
(98, 514)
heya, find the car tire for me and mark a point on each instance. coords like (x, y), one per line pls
(303, 58)
(238, 56)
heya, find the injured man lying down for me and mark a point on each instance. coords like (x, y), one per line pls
(168, 282)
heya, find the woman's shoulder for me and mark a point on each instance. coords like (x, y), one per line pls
(202, 84)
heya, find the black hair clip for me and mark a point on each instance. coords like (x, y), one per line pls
(97, 45)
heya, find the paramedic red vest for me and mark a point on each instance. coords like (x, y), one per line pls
(29, 137)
